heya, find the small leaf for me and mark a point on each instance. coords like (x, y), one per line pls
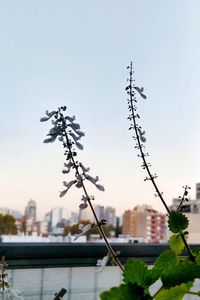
(176, 243)
(177, 222)
(198, 259)
(174, 293)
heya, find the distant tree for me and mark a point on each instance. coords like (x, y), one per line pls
(23, 225)
(74, 229)
(7, 225)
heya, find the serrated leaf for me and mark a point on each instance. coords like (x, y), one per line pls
(176, 243)
(181, 273)
(125, 292)
(177, 222)
(174, 293)
(198, 259)
(136, 272)
(164, 262)
(196, 251)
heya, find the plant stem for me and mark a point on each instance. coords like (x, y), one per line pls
(188, 249)
(151, 177)
(108, 245)
(145, 164)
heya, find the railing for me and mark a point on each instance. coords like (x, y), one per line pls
(41, 270)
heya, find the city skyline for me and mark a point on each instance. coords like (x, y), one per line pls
(76, 54)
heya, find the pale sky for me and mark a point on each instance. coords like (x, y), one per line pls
(75, 53)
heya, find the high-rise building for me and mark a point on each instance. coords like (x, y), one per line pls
(57, 215)
(30, 210)
(145, 222)
(102, 213)
(86, 215)
(73, 218)
(126, 222)
(110, 215)
(197, 190)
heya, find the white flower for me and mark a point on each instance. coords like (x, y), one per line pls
(101, 263)
(79, 145)
(80, 133)
(91, 179)
(83, 205)
(140, 91)
(83, 229)
(143, 139)
(68, 167)
(50, 140)
(84, 169)
(75, 137)
(100, 187)
(94, 181)
(141, 134)
(44, 119)
(74, 126)
(70, 119)
(55, 130)
(79, 184)
(68, 186)
(49, 115)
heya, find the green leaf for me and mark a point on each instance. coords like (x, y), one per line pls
(198, 259)
(176, 243)
(181, 273)
(174, 293)
(137, 272)
(165, 261)
(177, 222)
(125, 292)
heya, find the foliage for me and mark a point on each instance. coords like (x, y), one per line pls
(4, 282)
(7, 224)
(175, 273)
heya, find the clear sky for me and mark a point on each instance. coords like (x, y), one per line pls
(75, 53)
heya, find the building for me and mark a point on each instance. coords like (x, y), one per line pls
(197, 190)
(126, 222)
(102, 213)
(7, 211)
(191, 210)
(145, 222)
(110, 215)
(73, 218)
(57, 215)
(86, 215)
(30, 210)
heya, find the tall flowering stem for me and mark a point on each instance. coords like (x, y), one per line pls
(68, 132)
(140, 139)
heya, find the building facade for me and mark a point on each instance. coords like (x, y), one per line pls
(145, 222)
